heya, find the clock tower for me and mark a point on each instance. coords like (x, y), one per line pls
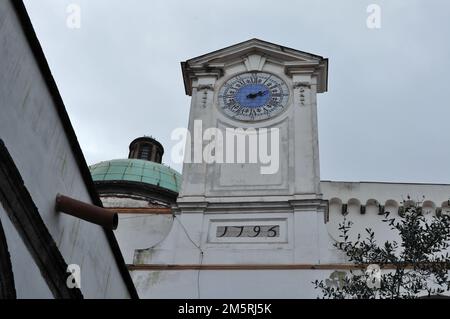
(250, 194)
(253, 85)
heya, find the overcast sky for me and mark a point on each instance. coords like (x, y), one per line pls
(385, 117)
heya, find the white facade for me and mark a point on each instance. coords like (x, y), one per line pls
(190, 260)
(49, 162)
(217, 281)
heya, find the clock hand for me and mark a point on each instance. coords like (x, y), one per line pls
(254, 95)
(261, 93)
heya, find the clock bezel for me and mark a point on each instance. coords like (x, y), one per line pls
(226, 79)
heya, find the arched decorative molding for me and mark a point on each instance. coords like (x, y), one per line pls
(7, 287)
(372, 207)
(335, 201)
(445, 207)
(406, 204)
(409, 203)
(335, 206)
(354, 206)
(391, 206)
(428, 207)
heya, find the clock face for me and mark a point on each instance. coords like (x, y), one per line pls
(253, 96)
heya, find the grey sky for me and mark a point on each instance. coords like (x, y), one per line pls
(386, 116)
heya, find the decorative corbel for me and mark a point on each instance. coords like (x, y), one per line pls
(362, 209)
(205, 88)
(344, 210)
(302, 86)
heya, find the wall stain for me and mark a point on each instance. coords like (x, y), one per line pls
(64, 165)
(152, 279)
(105, 293)
(74, 236)
(142, 255)
(25, 100)
(61, 237)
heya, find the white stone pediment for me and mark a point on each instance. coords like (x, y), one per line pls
(254, 54)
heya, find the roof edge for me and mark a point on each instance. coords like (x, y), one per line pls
(136, 159)
(278, 46)
(191, 66)
(382, 182)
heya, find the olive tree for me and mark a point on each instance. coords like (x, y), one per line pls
(414, 266)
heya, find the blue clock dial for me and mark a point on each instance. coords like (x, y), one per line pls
(253, 96)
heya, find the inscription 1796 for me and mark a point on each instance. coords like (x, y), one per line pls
(269, 231)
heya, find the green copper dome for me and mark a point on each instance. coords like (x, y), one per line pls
(137, 170)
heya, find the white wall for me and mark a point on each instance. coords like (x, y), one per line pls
(34, 135)
(383, 192)
(139, 231)
(310, 241)
(28, 280)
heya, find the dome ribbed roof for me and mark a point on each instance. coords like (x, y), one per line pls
(136, 170)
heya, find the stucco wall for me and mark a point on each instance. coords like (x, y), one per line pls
(382, 192)
(229, 284)
(139, 231)
(309, 242)
(35, 138)
(28, 280)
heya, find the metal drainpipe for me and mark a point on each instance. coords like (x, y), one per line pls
(91, 213)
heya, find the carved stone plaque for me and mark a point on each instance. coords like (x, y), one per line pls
(269, 231)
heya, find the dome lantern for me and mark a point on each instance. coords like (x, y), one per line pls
(146, 148)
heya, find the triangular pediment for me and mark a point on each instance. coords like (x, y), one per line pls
(253, 52)
(254, 46)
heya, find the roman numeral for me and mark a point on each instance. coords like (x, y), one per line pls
(240, 80)
(267, 79)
